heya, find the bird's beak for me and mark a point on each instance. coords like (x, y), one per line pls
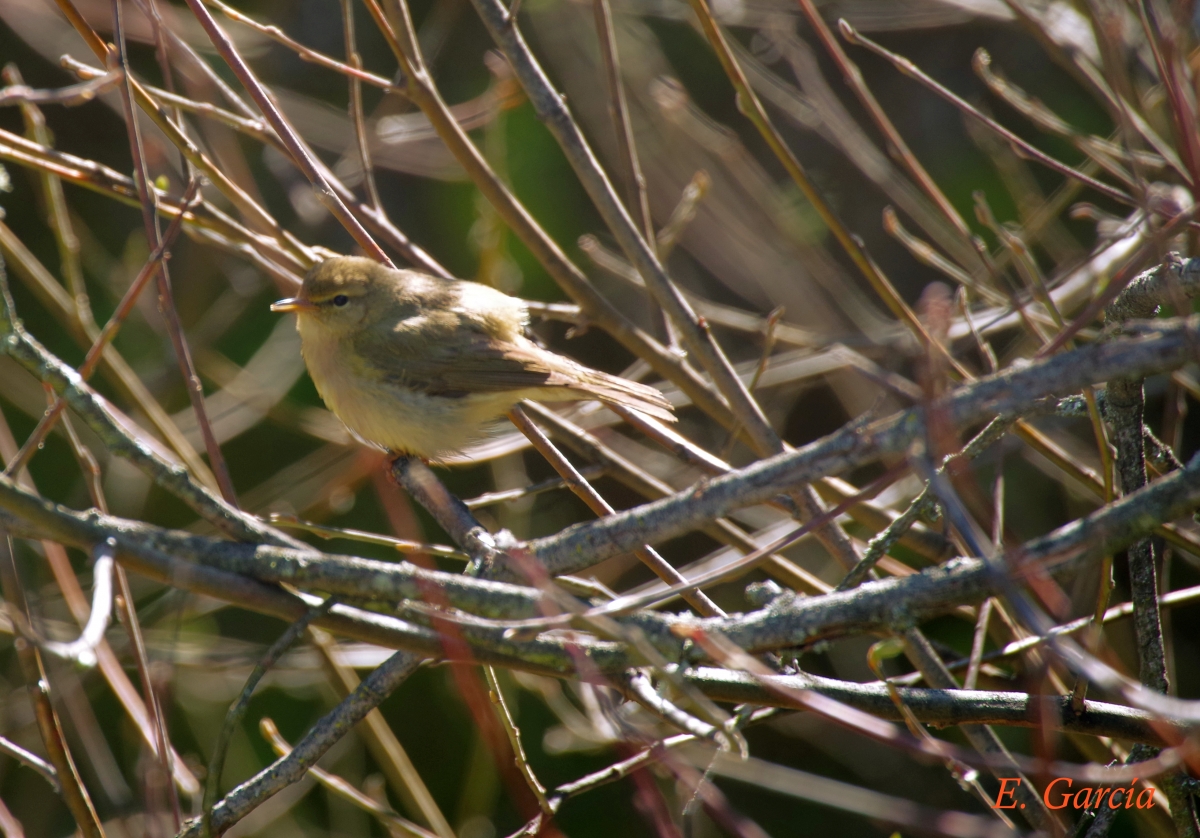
(297, 304)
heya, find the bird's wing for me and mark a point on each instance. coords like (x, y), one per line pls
(458, 304)
(496, 314)
(474, 362)
(479, 364)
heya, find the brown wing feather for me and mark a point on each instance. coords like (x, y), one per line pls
(590, 383)
(483, 366)
(621, 391)
(486, 365)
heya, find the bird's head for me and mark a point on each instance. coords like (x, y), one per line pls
(339, 293)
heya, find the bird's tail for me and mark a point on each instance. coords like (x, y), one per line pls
(612, 389)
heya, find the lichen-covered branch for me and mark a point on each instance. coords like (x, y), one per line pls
(215, 567)
(119, 435)
(1011, 393)
(1174, 281)
(320, 738)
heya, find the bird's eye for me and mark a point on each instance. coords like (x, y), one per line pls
(340, 300)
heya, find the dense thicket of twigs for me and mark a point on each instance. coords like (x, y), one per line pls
(924, 527)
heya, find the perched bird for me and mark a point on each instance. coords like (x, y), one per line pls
(418, 364)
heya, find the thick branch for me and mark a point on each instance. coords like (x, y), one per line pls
(940, 708)
(1010, 393)
(332, 727)
(118, 437)
(888, 605)
(1173, 280)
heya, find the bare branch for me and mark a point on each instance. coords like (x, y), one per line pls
(75, 94)
(288, 769)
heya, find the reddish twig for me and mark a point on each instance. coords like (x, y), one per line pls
(150, 270)
(301, 154)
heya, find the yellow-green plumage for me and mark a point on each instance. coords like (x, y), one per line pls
(418, 364)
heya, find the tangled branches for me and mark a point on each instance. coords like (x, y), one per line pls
(939, 485)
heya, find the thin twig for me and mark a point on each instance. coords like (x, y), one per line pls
(58, 215)
(401, 545)
(342, 788)
(30, 760)
(99, 178)
(233, 716)
(166, 295)
(83, 649)
(1104, 152)
(927, 255)
(301, 154)
(166, 754)
(320, 738)
(977, 643)
(896, 145)
(1105, 586)
(618, 110)
(357, 116)
(1022, 146)
(389, 754)
(637, 200)
(372, 217)
(683, 214)
(307, 54)
(1182, 109)
(584, 491)
(510, 495)
(150, 270)
(256, 216)
(74, 793)
(75, 94)
(514, 739)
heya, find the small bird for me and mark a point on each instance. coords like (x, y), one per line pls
(418, 364)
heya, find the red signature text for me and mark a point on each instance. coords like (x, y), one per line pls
(1061, 793)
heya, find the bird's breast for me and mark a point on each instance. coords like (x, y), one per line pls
(386, 413)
